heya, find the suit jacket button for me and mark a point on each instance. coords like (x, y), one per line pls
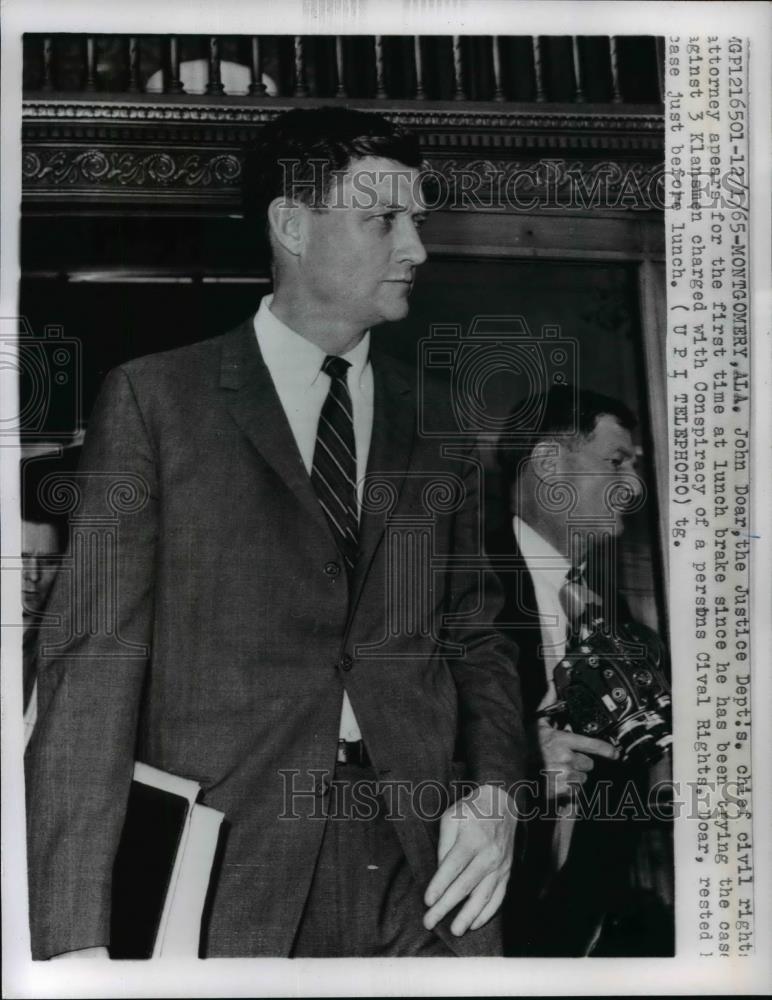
(332, 569)
(322, 787)
(346, 663)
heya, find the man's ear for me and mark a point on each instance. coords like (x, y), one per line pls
(286, 221)
(545, 457)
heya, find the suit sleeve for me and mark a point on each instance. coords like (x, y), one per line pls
(490, 707)
(90, 674)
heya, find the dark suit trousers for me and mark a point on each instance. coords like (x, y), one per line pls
(363, 899)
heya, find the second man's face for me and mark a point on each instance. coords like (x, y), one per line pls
(602, 470)
(362, 251)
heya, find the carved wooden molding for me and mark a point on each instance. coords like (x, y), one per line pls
(191, 151)
(470, 127)
(214, 174)
(524, 185)
(229, 109)
(102, 169)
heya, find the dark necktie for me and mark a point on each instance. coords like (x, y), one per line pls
(579, 601)
(335, 468)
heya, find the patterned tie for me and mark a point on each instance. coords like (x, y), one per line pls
(335, 467)
(579, 601)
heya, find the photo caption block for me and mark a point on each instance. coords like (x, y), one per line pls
(708, 357)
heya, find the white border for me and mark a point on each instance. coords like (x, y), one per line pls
(395, 977)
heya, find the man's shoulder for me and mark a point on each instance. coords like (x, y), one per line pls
(174, 358)
(203, 355)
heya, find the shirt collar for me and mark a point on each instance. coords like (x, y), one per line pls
(540, 556)
(291, 357)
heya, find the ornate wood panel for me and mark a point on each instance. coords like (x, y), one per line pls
(189, 153)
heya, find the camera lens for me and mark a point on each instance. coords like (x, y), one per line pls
(644, 738)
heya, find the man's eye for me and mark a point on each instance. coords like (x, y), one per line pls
(386, 219)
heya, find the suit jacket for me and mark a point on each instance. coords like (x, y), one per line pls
(550, 913)
(230, 633)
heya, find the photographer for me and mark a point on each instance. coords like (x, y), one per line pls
(567, 489)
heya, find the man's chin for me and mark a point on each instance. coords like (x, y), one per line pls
(395, 310)
(614, 530)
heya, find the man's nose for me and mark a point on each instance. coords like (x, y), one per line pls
(31, 569)
(635, 483)
(412, 248)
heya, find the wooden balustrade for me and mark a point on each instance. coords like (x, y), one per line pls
(414, 68)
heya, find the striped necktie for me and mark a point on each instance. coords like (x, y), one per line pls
(334, 470)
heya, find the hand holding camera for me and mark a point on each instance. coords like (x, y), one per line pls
(611, 687)
(567, 758)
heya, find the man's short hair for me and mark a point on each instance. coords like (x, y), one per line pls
(565, 411)
(298, 154)
(34, 512)
(43, 478)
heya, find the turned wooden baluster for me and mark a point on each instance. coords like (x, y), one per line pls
(90, 63)
(48, 64)
(578, 88)
(458, 70)
(174, 84)
(538, 68)
(616, 92)
(420, 93)
(380, 77)
(340, 90)
(215, 85)
(498, 92)
(133, 53)
(256, 86)
(301, 90)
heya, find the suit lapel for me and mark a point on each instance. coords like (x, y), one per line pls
(252, 400)
(391, 448)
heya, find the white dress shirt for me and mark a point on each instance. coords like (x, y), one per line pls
(548, 569)
(295, 366)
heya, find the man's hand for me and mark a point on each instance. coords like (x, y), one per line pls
(565, 760)
(474, 859)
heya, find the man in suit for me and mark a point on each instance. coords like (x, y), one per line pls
(567, 486)
(251, 480)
